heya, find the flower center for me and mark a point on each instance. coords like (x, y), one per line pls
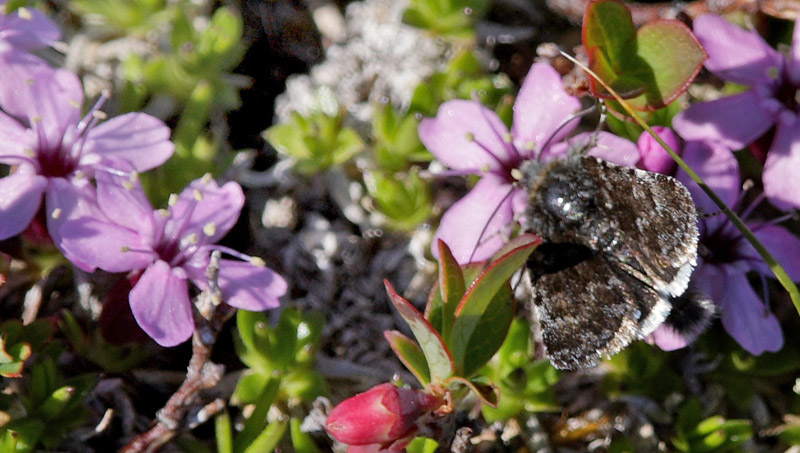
(722, 246)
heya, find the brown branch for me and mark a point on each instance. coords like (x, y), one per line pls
(201, 374)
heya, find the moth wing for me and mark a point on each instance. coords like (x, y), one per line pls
(591, 310)
(652, 233)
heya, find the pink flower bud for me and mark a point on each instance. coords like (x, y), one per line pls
(381, 415)
(654, 157)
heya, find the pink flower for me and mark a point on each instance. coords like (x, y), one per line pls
(384, 418)
(654, 157)
(54, 152)
(743, 57)
(471, 139)
(170, 246)
(26, 29)
(725, 256)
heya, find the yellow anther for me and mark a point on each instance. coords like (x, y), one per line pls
(258, 262)
(173, 198)
(508, 138)
(128, 185)
(56, 213)
(207, 178)
(124, 249)
(24, 13)
(164, 213)
(210, 229)
(198, 196)
(99, 114)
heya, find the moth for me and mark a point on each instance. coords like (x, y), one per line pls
(619, 246)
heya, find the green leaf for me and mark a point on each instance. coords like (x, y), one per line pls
(269, 438)
(674, 56)
(440, 362)
(223, 433)
(258, 418)
(249, 387)
(490, 332)
(422, 445)
(486, 391)
(481, 294)
(650, 67)
(410, 354)
(451, 286)
(301, 442)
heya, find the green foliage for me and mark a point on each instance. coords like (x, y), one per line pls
(397, 143)
(124, 17)
(49, 407)
(712, 434)
(453, 18)
(650, 67)
(403, 197)
(17, 343)
(464, 78)
(525, 384)
(422, 445)
(93, 347)
(280, 364)
(642, 369)
(464, 325)
(316, 142)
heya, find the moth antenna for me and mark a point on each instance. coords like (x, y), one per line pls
(563, 124)
(486, 225)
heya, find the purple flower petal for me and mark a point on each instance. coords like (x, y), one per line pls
(782, 244)
(28, 29)
(734, 121)
(718, 168)
(139, 138)
(654, 157)
(736, 54)
(473, 227)
(19, 70)
(793, 60)
(51, 102)
(95, 243)
(782, 167)
(123, 201)
(20, 198)
(541, 108)
(13, 140)
(609, 147)
(247, 286)
(68, 199)
(160, 303)
(467, 136)
(214, 214)
(745, 317)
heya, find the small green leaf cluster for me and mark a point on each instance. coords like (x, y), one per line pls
(712, 434)
(449, 18)
(392, 155)
(49, 407)
(280, 373)
(193, 72)
(316, 142)
(526, 385)
(465, 322)
(17, 343)
(464, 78)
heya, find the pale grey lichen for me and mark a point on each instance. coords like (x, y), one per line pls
(381, 59)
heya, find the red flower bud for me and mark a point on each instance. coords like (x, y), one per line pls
(381, 415)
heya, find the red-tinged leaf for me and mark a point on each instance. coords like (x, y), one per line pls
(410, 354)
(11, 370)
(440, 362)
(610, 41)
(487, 392)
(451, 285)
(481, 293)
(675, 56)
